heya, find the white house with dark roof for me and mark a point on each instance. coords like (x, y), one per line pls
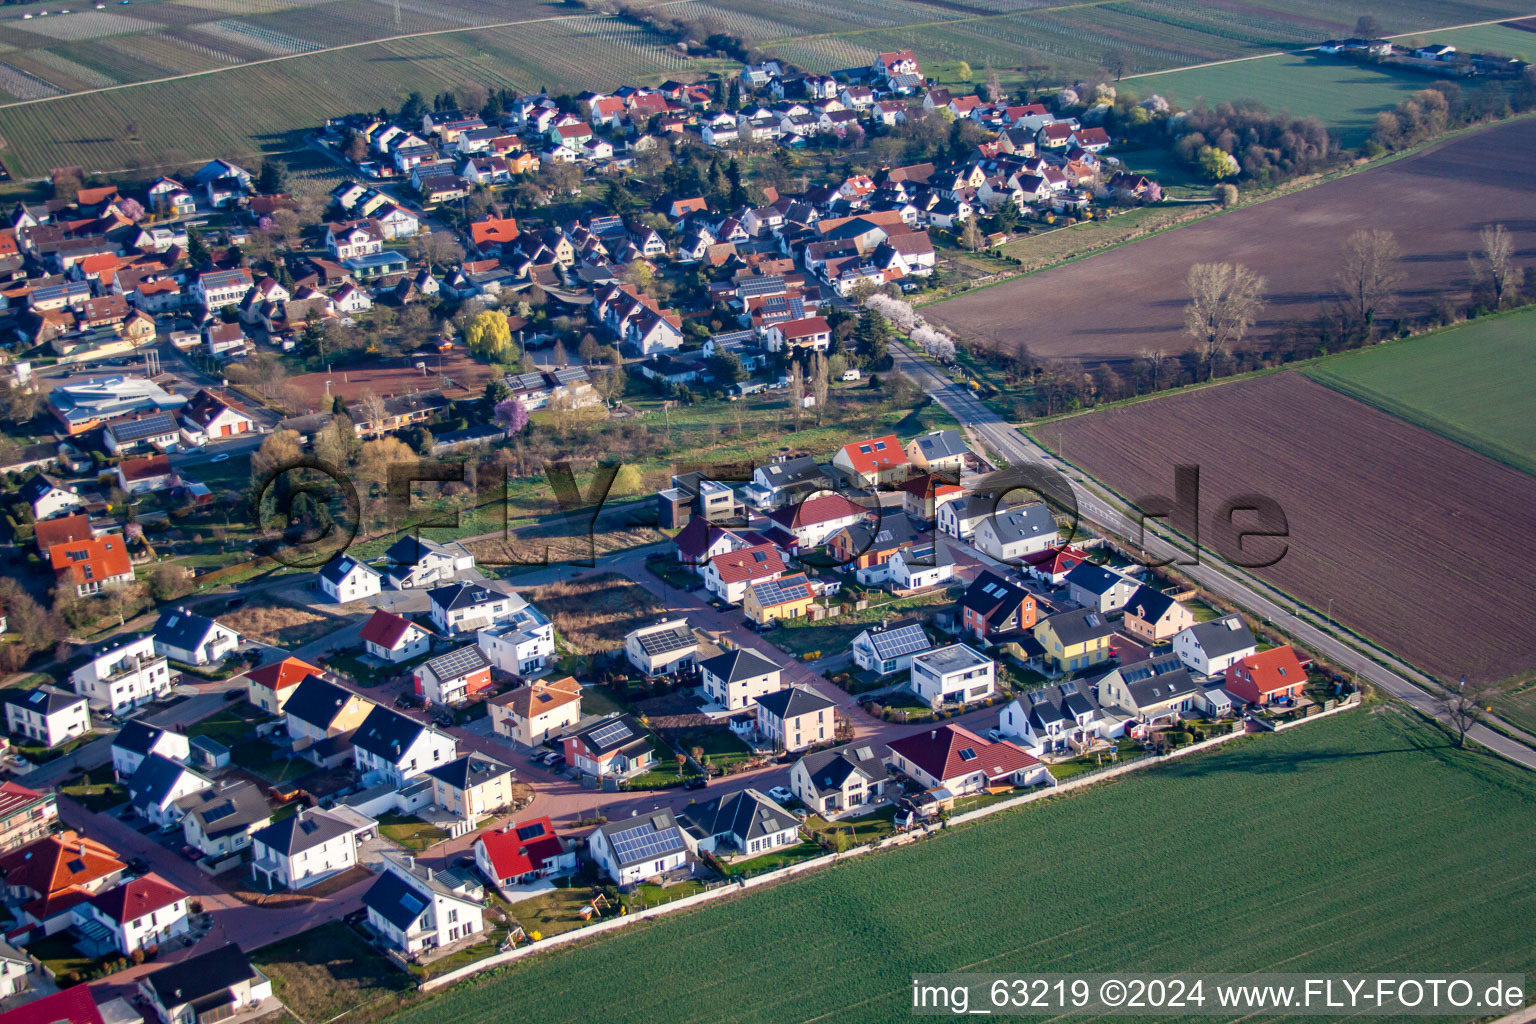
(952, 675)
(1210, 648)
(890, 647)
(748, 821)
(466, 607)
(419, 562)
(662, 647)
(46, 714)
(208, 987)
(796, 717)
(157, 785)
(635, 848)
(1100, 588)
(1151, 690)
(1057, 719)
(345, 579)
(414, 908)
(302, 850)
(736, 678)
(846, 780)
(452, 677)
(219, 821)
(48, 498)
(472, 786)
(1016, 534)
(193, 639)
(391, 748)
(137, 740)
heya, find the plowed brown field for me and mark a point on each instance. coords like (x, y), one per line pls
(1436, 202)
(1422, 545)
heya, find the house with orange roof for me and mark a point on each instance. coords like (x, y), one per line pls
(50, 876)
(878, 460)
(270, 686)
(531, 714)
(1275, 676)
(492, 233)
(146, 912)
(91, 565)
(728, 574)
(146, 473)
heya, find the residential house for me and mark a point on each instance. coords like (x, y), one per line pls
(143, 913)
(417, 562)
(392, 748)
(46, 715)
(219, 821)
(453, 677)
(15, 968)
(784, 481)
(47, 497)
(728, 575)
(847, 780)
(135, 433)
(667, 646)
(318, 710)
(890, 647)
(124, 674)
(922, 495)
(303, 849)
(956, 760)
(205, 988)
(952, 675)
(787, 597)
(25, 814)
(879, 460)
(747, 821)
(63, 530)
(940, 451)
(640, 847)
(993, 606)
(345, 579)
(1058, 719)
(193, 639)
(613, 746)
(1074, 639)
(796, 717)
(157, 785)
(137, 740)
(213, 416)
(523, 643)
(1101, 588)
(522, 853)
(737, 677)
(145, 474)
(270, 686)
(414, 908)
(1152, 690)
(811, 522)
(1155, 617)
(867, 546)
(921, 567)
(46, 877)
(1015, 535)
(960, 518)
(464, 607)
(472, 786)
(532, 714)
(219, 288)
(812, 334)
(1275, 676)
(1210, 648)
(394, 638)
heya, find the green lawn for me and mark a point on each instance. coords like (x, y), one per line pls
(410, 831)
(266, 760)
(1470, 383)
(231, 725)
(828, 636)
(1344, 95)
(58, 954)
(1335, 846)
(39, 755)
(782, 858)
(96, 790)
(330, 970)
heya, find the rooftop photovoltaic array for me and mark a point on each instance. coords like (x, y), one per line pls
(666, 641)
(613, 732)
(897, 642)
(645, 840)
(774, 592)
(457, 663)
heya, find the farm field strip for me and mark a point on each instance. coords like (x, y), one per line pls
(1470, 383)
(1371, 809)
(1399, 534)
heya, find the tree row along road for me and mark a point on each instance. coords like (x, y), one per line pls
(1212, 573)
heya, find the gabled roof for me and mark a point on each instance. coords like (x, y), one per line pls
(137, 737)
(192, 980)
(952, 752)
(829, 769)
(897, 639)
(282, 675)
(186, 630)
(1222, 636)
(85, 561)
(643, 837)
(395, 901)
(1267, 671)
(387, 734)
(317, 702)
(745, 816)
(155, 779)
(753, 563)
(386, 628)
(410, 550)
(782, 591)
(458, 663)
(463, 595)
(1023, 523)
(42, 700)
(824, 508)
(1096, 579)
(522, 847)
(793, 702)
(339, 568)
(1146, 603)
(1079, 625)
(993, 597)
(62, 530)
(136, 898)
(232, 809)
(469, 771)
(71, 1006)
(539, 697)
(303, 831)
(1157, 680)
(875, 454)
(736, 665)
(54, 863)
(891, 531)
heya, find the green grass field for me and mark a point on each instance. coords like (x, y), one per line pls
(1470, 383)
(1344, 95)
(1337, 846)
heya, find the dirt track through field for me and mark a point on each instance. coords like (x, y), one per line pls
(1122, 302)
(1417, 542)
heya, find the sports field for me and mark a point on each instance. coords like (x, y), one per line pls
(1344, 95)
(1337, 846)
(1470, 383)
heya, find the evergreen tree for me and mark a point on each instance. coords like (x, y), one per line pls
(197, 249)
(273, 178)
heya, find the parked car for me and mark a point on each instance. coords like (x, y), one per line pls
(234, 694)
(696, 782)
(780, 793)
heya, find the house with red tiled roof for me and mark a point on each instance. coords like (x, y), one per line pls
(144, 913)
(146, 473)
(728, 575)
(523, 852)
(811, 333)
(955, 759)
(810, 523)
(1052, 565)
(61, 531)
(71, 1006)
(1275, 676)
(491, 233)
(879, 460)
(91, 565)
(216, 416)
(393, 637)
(270, 686)
(52, 875)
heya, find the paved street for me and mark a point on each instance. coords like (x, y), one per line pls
(1220, 578)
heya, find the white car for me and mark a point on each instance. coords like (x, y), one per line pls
(221, 457)
(780, 794)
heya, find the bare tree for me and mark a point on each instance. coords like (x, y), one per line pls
(1157, 360)
(1462, 706)
(1495, 268)
(821, 385)
(1224, 298)
(971, 236)
(797, 391)
(373, 409)
(1369, 277)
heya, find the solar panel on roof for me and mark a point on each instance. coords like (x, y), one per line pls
(611, 733)
(774, 592)
(457, 663)
(530, 831)
(218, 813)
(644, 841)
(666, 641)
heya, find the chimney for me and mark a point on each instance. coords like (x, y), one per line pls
(429, 874)
(410, 860)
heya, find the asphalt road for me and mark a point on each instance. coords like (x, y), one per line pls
(1212, 573)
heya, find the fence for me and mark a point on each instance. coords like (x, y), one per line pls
(900, 839)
